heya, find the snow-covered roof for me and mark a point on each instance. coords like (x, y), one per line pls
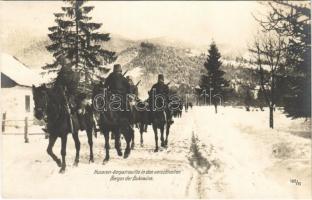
(17, 71)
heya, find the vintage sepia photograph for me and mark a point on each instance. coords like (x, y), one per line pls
(155, 99)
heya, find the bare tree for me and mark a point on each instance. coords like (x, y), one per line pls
(291, 20)
(269, 50)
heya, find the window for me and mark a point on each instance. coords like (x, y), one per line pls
(27, 103)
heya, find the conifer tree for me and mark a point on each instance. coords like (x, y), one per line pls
(76, 38)
(213, 82)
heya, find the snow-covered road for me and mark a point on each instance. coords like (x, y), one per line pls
(244, 158)
(231, 154)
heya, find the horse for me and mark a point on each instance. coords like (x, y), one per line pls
(186, 105)
(180, 110)
(139, 118)
(87, 123)
(177, 112)
(113, 121)
(160, 121)
(190, 105)
(51, 103)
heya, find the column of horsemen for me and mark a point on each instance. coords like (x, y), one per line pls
(115, 108)
(128, 105)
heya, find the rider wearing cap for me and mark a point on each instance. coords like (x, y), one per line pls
(133, 88)
(160, 88)
(116, 82)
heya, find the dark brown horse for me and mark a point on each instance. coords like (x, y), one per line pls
(178, 111)
(160, 121)
(87, 123)
(50, 103)
(140, 117)
(113, 121)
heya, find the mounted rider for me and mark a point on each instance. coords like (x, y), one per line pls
(133, 98)
(65, 89)
(133, 94)
(162, 90)
(75, 102)
(117, 84)
(133, 88)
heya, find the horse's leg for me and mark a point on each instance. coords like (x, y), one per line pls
(141, 133)
(167, 134)
(94, 128)
(52, 139)
(113, 136)
(107, 147)
(129, 135)
(132, 138)
(145, 127)
(63, 152)
(156, 137)
(90, 142)
(116, 133)
(77, 145)
(162, 142)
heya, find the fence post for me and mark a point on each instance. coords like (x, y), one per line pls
(26, 130)
(3, 122)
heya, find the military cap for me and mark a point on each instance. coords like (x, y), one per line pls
(117, 68)
(161, 77)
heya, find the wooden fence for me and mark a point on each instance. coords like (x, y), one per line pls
(25, 123)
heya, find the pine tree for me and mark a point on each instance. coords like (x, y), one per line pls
(59, 36)
(298, 98)
(213, 82)
(76, 38)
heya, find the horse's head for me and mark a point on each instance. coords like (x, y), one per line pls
(40, 97)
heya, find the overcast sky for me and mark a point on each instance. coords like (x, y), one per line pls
(197, 22)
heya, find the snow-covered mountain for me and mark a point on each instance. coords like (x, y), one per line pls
(181, 62)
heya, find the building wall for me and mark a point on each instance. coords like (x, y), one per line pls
(13, 104)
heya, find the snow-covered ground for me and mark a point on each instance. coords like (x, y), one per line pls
(232, 154)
